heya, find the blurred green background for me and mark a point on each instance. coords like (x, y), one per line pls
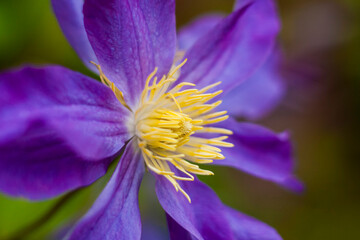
(321, 42)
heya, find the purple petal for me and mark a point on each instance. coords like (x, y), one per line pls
(51, 120)
(79, 109)
(253, 98)
(71, 20)
(206, 217)
(258, 95)
(176, 231)
(152, 230)
(130, 39)
(39, 165)
(260, 152)
(248, 228)
(188, 35)
(235, 48)
(115, 214)
(202, 219)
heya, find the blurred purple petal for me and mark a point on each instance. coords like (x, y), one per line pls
(115, 214)
(188, 35)
(176, 231)
(130, 39)
(152, 231)
(248, 228)
(40, 165)
(71, 20)
(293, 184)
(235, 48)
(206, 217)
(52, 122)
(260, 152)
(258, 95)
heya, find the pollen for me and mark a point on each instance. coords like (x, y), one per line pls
(172, 124)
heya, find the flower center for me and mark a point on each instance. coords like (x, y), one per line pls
(169, 123)
(164, 128)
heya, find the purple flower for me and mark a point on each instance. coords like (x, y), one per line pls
(60, 130)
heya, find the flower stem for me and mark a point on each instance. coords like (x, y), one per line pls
(27, 230)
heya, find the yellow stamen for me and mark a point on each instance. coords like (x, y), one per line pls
(165, 123)
(119, 95)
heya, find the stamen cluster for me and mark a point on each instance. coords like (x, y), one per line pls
(169, 123)
(166, 123)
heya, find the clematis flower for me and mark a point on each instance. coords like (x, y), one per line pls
(160, 100)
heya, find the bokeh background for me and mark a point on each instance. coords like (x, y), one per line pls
(321, 43)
